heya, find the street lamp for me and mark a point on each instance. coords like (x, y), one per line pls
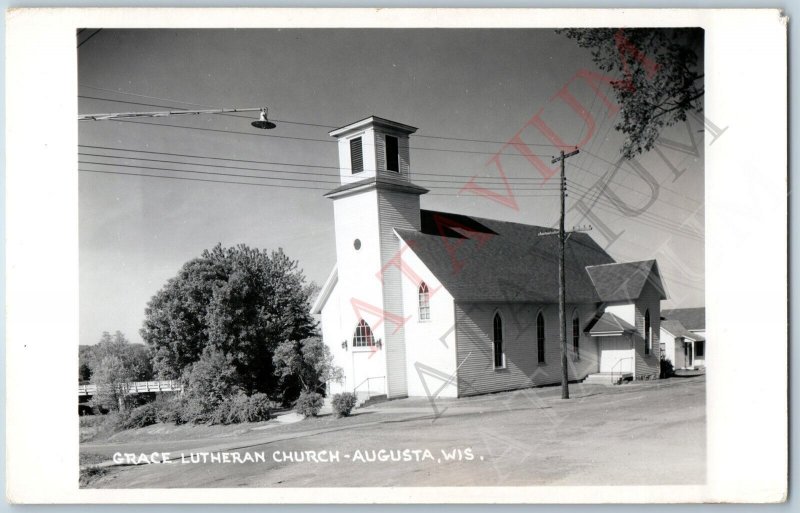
(262, 122)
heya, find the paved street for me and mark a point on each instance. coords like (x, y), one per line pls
(634, 434)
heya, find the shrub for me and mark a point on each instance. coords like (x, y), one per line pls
(222, 413)
(343, 403)
(259, 408)
(145, 415)
(90, 474)
(170, 411)
(242, 408)
(667, 369)
(210, 383)
(309, 404)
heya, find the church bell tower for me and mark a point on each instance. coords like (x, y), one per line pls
(375, 197)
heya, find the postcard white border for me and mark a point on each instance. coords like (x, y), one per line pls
(746, 250)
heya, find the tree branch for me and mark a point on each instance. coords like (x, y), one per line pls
(693, 98)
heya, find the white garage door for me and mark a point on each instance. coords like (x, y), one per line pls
(616, 353)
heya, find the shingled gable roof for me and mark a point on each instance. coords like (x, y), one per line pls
(609, 324)
(487, 260)
(677, 329)
(625, 281)
(691, 318)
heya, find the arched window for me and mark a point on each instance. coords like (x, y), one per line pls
(499, 356)
(424, 302)
(576, 335)
(363, 335)
(648, 337)
(540, 337)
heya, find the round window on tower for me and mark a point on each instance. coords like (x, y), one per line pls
(357, 244)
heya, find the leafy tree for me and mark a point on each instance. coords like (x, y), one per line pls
(309, 361)
(654, 74)
(240, 301)
(110, 376)
(135, 358)
(84, 372)
(110, 364)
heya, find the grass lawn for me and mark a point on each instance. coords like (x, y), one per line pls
(634, 434)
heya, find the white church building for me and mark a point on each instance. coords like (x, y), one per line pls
(436, 304)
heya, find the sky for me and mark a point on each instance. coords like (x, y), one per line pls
(483, 85)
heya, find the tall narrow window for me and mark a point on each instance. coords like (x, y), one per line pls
(424, 303)
(699, 349)
(648, 339)
(499, 357)
(392, 154)
(540, 338)
(576, 335)
(356, 156)
(363, 335)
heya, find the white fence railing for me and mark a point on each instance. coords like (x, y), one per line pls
(137, 387)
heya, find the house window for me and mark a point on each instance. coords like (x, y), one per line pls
(356, 156)
(540, 338)
(499, 357)
(392, 154)
(699, 349)
(648, 337)
(363, 335)
(424, 303)
(576, 335)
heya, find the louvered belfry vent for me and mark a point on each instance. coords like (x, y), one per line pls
(373, 148)
(392, 155)
(356, 156)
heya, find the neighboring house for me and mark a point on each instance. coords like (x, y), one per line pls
(683, 330)
(427, 303)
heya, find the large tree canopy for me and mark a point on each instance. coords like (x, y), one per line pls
(655, 76)
(240, 301)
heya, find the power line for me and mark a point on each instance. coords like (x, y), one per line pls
(279, 186)
(280, 171)
(633, 189)
(309, 180)
(290, 164)
(154, 168)
(645, 218)
(579, 188)
(598, 157)
(610, 203)
(201, 180)
(88, 38)
(235, 132)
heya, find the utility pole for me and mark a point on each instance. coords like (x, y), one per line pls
(562, 286)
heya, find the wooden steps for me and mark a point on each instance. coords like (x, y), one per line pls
(607, 378)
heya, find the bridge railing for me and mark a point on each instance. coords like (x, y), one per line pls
(137, 387)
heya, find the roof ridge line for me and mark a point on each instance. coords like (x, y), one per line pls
(477, 218)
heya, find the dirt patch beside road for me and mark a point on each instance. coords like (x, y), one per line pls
(641, 433)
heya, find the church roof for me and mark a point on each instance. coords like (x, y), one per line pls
(677, 329)
(373, 121)
(625, 281)
(691, 318)
(487, 260)
(609, 324)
